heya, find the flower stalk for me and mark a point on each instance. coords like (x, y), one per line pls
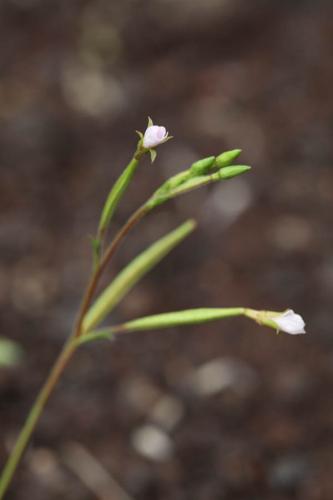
(91, 313)
(192, 317)
(34, 415)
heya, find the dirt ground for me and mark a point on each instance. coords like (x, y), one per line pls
(224, 411)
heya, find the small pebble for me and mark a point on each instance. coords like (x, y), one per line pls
(140, 394)
(152, 443)
(167, 412)
(220, 374)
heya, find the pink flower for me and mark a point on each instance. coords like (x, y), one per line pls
(154, 136)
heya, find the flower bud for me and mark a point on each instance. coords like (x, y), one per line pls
(226, 158)
(229, 172)
(203, 166)
(154, 135)
(289, 322)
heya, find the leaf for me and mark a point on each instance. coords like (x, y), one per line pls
(116, 193)
(180, 318)
(10, 352)
(165, 320)
(127, 278)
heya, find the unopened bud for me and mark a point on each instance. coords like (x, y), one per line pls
(226, 158)
(203, 166)
(290, 322)
(287, 321)
(154, 136)
(229, 172)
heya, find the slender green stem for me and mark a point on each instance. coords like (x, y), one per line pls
(34, 415)
(100, 263)
(63, 359)
(109, 253)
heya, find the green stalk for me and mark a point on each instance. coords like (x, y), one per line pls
(33, 417)
(101, 259)
(107, 256)
(63, 359)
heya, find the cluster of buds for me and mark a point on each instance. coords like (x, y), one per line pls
(202, 172)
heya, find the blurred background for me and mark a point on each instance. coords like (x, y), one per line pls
(225, 411)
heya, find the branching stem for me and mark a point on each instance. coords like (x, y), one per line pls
(65, 356)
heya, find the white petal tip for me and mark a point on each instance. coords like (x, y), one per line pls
(290, 322)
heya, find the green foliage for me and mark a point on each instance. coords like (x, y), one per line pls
(127, 278)
(165, 320)
(10, 352)
(202, 172)
(180, 318)
(116, 193)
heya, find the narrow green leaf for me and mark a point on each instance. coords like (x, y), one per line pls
(127, 278)
(164, 320)
(10, 352)
(180, 318)
(116, 193)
